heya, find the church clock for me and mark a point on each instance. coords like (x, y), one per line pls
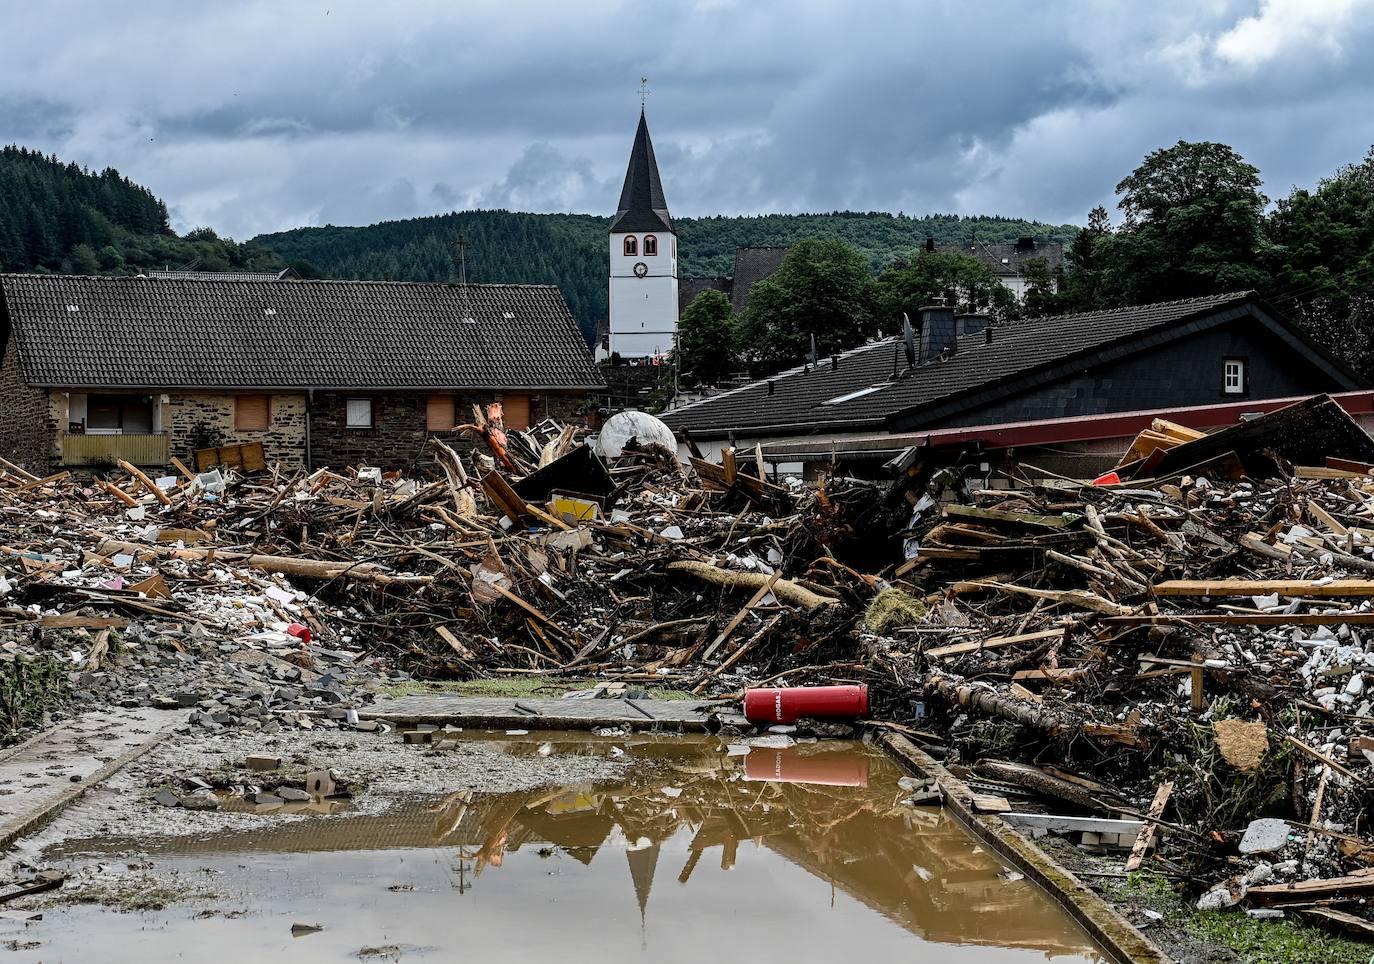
(641, 269)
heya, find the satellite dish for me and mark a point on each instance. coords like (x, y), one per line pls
(909, 341)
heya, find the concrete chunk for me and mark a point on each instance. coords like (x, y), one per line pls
(1264, 836)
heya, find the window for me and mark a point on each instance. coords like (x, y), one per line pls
(650, 245)
(358, 413)
(515, 411)
(252, 413)
(439, 413)
(631, 246)
(119, 414)
(1233, 377)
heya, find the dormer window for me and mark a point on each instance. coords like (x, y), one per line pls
(650, 245)
(631, 246)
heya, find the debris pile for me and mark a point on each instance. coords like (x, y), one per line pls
(1150, 663)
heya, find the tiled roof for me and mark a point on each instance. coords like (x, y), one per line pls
(142, 332)
(689, 288)
(642, 204)
(1008, 260)
(753, 264)
(868, 396)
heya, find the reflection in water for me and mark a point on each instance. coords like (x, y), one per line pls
(832, 810)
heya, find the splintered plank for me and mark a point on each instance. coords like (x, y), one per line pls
(973, 646)
(1265, 587)
(1146, 837)
(1306, 891)
(1244, 619)
(1023, 520)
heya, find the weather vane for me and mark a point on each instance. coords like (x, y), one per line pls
(643, 91)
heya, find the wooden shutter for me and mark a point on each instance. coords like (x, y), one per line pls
(251, 413)
(439, 413)
(515, 411)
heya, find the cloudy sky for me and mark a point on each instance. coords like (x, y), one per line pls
(253, 117)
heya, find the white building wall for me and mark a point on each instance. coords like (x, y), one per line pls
(643, 311)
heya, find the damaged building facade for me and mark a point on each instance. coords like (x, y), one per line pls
(97, 370)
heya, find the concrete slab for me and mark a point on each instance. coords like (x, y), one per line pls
(531, 714)
(48, 771)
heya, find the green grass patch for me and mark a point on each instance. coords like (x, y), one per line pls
(516, 687)
(1276, 941)
(30, 688)
(1257, 941)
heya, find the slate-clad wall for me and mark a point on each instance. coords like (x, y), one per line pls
(26, 432)
(188, 417)
(399, 433)
(1182, 373)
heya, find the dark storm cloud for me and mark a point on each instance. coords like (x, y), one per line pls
(348, 112)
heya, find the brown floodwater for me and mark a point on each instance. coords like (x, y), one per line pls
(801, 854)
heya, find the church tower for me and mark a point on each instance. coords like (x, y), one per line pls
(643, 302)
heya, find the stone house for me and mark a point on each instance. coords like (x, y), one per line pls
(96, 369)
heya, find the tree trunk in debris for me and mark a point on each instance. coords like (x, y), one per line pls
(287, 565)
(783, 588)
(987, 701)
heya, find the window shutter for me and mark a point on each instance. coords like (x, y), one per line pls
(251, 413)
(439, 413)
(515, 411)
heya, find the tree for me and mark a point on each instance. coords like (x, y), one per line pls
(1083, 288)
(1042, 295)
(1321, 257)
(959, 280)
(1193, 226)
(82, 260)
(708, 338)
(822, 290)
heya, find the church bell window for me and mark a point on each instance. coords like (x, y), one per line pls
(631, 246)
(650, 245)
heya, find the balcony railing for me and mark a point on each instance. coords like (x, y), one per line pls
(150, 449)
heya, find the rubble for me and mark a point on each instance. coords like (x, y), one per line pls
(1149, 664)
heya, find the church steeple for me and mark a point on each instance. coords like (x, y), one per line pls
(642, 204)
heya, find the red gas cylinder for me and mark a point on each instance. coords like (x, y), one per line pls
(790, 703)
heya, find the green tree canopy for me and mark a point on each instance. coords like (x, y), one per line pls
(1193, 226)
(823, 289)
(960, 280)
(708, 338)
(1322, 260)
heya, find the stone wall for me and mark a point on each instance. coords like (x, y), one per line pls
(195, 420)
(26, 429)
(399, 431)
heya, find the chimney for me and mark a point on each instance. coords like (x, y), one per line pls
(937, 331)
(987, 335)
(930, 245)
(971, 324)
(1025, 244)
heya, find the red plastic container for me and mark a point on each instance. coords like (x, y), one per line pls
(790, 703)
(300, 632)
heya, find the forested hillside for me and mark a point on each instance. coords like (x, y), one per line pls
(570, 250)
(63, 218)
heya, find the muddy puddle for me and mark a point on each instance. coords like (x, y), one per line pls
(805, 854)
